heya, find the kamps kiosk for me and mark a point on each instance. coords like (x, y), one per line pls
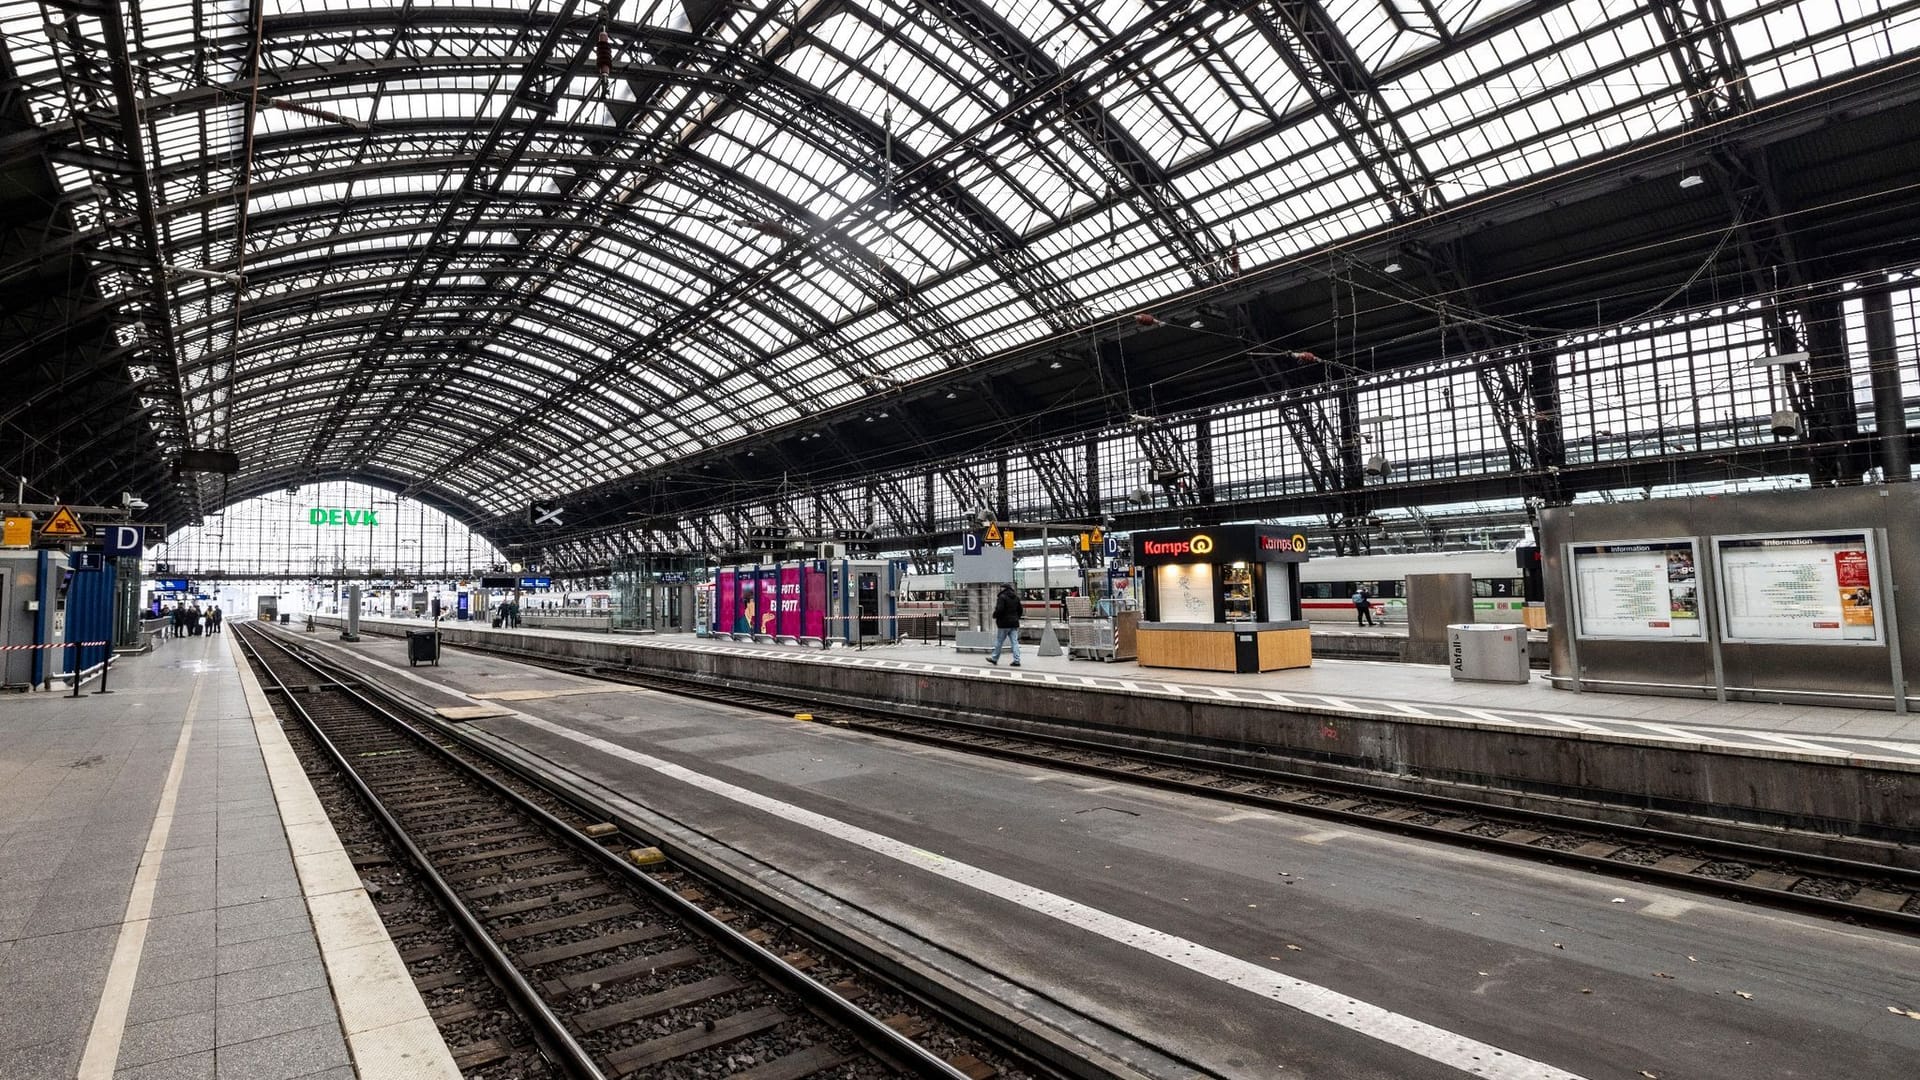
(1225, 598)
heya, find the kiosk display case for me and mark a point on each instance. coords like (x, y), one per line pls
(1225, 598)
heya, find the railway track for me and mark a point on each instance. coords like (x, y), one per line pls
(1840, 888)
(616, 961)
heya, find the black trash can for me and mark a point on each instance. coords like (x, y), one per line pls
(1246, 653)
(423, 647)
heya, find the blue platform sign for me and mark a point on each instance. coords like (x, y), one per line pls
(119, 540)
(1113, 547)
(970, 543)
(86, 560)
(536, 583)
(170, 584)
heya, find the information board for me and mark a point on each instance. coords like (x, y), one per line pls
(1185, 591)
(1637, 589)
(1803, 588)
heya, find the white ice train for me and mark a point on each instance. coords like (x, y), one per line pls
(1327, 585)
(930, 593)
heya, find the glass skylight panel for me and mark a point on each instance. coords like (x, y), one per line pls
(1463, 15)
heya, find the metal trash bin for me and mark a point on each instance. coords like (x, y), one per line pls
(423, 647)
(1478, 653)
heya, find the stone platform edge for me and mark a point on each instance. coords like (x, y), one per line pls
(386, 1023)
(1820, 803)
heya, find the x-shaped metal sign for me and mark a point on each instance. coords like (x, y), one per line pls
(543, 515)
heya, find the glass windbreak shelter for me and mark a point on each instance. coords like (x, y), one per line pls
(654, 591)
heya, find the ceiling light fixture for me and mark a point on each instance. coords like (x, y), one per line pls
(1054, 366)
(1780, 359)
(1692, 180)
(1392, 267)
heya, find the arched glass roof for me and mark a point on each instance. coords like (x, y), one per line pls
(513, 251)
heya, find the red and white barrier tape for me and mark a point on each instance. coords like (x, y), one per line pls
(58, 645)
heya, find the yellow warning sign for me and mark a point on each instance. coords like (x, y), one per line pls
(993, 534)
(18, 532)
(1006, 539)
(63, 523)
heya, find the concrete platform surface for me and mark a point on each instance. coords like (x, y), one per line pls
(155, 919)
(1245, 943)
(1370, 688)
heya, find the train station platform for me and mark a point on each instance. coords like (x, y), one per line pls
(1179, 935)
(1758, 766)
(173, 900)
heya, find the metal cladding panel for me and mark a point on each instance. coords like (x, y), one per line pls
(1434, 601)
(1750, 670)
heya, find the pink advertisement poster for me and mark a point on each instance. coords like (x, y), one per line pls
(769, 605)
(789, 601)
(724, 605)
(814, 586)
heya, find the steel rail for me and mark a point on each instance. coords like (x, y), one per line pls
(555, 1040)
(883, 1041)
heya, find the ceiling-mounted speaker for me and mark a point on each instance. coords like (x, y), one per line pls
(1378, 465)
(1786, 423)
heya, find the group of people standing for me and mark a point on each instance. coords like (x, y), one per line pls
(192, 622)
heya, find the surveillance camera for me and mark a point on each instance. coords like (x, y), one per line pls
(136, 504)
(1786, 423)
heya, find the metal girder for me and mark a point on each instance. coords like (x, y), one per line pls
(1707, 59)
(1329, 449)
(129, 188)
(457, 218)
(1320, 56)
(1055, 91)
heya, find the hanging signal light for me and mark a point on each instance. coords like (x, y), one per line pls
(603, 55)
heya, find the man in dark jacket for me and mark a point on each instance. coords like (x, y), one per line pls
(1006, 622)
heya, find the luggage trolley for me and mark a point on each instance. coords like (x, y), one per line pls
(1100, 631)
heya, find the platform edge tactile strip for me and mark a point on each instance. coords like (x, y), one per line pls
(385, 1021)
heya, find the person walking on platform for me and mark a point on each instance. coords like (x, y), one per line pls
(1006, 622)
(1363, 607)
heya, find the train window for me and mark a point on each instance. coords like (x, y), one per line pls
(1317, 590)
(1482, 587)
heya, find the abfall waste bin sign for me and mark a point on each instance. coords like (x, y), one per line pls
(423, 647)
(1487, 653)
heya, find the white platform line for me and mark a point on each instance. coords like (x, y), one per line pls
(110, 1018)
(1415, 1036)
(1803, 744)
